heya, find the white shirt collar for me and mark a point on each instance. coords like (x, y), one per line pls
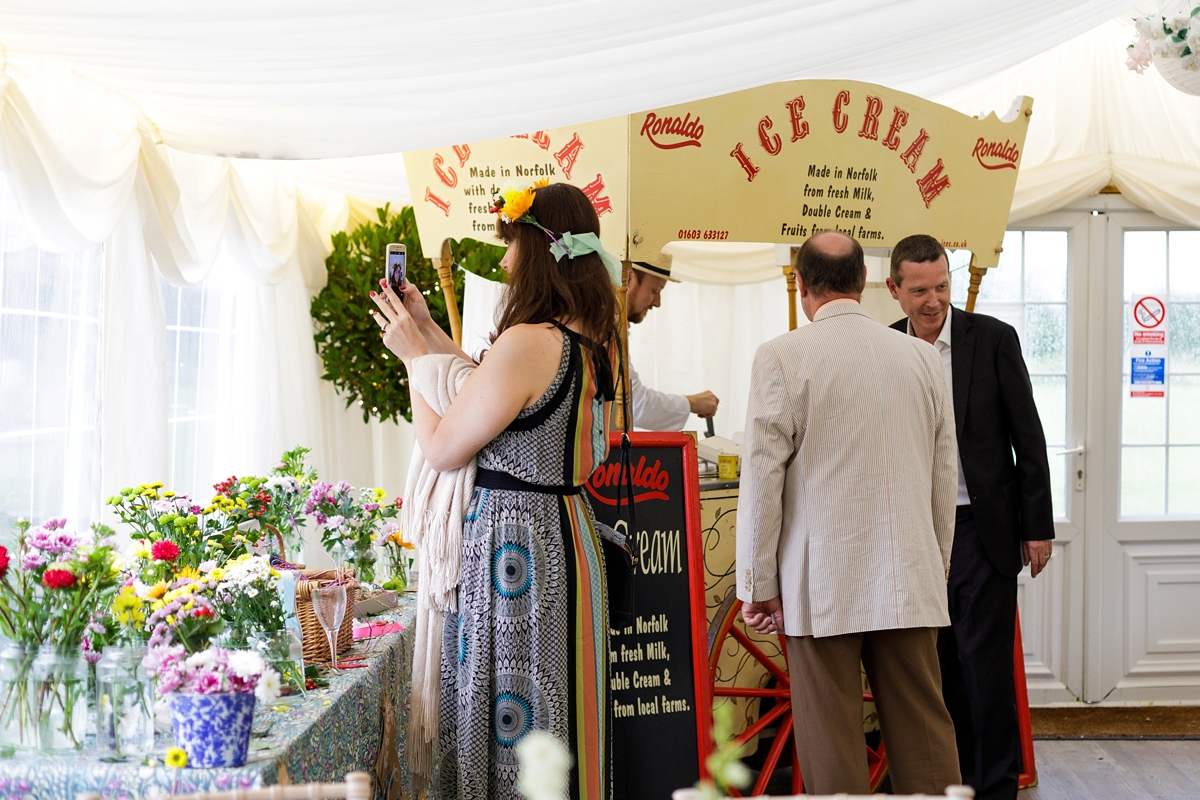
(943, 339)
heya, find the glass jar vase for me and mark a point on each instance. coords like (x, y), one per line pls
(283, 650)
(397, 564)
(124, 703)
(58, 698)
(364, 561)
(18, 725)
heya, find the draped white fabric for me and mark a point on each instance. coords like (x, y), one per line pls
(1095, 122)
(312, 79)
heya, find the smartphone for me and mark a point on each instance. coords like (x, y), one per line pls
(397, 261)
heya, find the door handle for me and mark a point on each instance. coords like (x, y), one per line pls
(1075, 451)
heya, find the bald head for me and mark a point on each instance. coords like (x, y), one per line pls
(832, 263)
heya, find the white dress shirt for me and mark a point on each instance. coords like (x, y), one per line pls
(943, 345)
(654, 410)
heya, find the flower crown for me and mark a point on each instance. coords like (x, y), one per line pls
(513, 204)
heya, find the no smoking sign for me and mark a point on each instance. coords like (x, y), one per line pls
(1148, 348)
(1149, 312)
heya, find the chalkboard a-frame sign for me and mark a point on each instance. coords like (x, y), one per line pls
(661, 701)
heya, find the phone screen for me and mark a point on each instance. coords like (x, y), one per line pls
(395, 270)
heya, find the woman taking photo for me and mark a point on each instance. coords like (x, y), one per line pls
(528, 647)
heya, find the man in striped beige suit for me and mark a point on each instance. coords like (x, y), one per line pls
(845, 526)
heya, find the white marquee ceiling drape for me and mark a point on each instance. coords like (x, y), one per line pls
(313, 79)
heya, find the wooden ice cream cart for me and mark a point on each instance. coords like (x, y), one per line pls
(774, 164)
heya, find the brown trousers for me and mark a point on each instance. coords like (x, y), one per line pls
(827, 706)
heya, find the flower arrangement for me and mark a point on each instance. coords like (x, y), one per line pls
(185, 614)
(59, 582)
(348, 519)
(47, 601)
(158, 516)
(248, 597)
(1172, 42)
(213, 670)
(399, 551)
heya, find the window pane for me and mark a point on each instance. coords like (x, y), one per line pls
(191, 302)
(1046, 266)
(1184, 393)
(20, 279)
(1050, 394)
(1045, 340)
(1003, 282)
(1143, 419)
(16, 480)
(1145, 263)
(17, 336)
(1183, 320)
(960, 277)
(171, 304)
(49, 469)
(1143, 479)
(49, 376)
(1185, 480)
(53, 371)
(1185, 265)
(54, 283)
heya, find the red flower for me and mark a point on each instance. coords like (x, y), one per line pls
(58, 579)
(164, 551)
(203, 611)
(3, 561)
(224, 486)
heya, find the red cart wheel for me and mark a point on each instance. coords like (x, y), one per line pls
(728, 635)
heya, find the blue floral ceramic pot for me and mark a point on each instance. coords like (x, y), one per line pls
(214, 729)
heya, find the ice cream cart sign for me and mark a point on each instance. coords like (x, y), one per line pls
(783, 162)
(776, 163)
(1148, 347)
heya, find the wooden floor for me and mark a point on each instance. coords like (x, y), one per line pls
(1115, 770)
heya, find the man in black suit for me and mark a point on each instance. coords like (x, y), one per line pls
(1004, 518)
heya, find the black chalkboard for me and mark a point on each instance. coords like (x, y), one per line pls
(661, 704)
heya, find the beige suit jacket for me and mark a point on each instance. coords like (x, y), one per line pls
(849, 478)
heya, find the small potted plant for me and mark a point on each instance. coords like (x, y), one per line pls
(212, 695)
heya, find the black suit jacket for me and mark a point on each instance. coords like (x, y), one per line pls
(1000, 438)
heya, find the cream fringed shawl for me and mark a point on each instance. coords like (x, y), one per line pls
(434, 506)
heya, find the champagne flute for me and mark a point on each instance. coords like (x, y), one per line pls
(329, 604)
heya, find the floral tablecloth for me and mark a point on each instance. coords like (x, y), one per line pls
(357, 723)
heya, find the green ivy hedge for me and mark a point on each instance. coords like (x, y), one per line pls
(348, 340)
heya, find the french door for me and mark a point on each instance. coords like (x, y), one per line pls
(1116, 615)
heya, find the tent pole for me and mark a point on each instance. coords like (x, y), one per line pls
(789, 272)
(446, 278)
(623, 332)
(976, 279)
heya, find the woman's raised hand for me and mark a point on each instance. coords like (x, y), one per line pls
(401, 332)
(414, 302)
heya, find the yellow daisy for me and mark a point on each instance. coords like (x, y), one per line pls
(517, 203)
(176, 757)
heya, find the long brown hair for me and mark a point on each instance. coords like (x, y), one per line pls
(541, 289)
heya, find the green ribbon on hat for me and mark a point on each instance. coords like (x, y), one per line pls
(572, 245)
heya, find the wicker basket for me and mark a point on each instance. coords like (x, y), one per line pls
(316, 647)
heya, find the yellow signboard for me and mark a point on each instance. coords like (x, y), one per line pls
(782, 162)
(452, 187)
(774, 164)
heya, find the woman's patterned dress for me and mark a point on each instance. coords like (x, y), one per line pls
(528, 648)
